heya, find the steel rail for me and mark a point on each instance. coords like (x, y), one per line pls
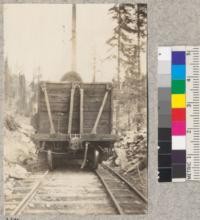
(116, 204)
(22, 205)
(126, 181)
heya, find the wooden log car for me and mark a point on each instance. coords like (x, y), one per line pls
(74, 120)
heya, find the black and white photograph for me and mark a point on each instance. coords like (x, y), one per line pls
(75, 109)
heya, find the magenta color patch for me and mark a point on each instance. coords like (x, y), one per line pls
(178, 128)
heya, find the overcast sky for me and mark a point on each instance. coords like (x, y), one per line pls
(38, 36)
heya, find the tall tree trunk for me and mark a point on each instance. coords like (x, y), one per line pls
(22, 95)
(139, 65)
(94, 68)
(7, 83)
(118, 68)
(119, 48)
(73, 65)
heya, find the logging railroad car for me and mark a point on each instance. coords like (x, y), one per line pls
(74, 121)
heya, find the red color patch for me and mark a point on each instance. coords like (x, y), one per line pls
(178, 114)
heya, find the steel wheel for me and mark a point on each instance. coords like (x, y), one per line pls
(95, 159)
(50, 160)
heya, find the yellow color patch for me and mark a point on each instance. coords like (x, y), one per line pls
(178, 101)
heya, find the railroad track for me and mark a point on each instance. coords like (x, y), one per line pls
(23, 191)
(74, 191)
(125, 197)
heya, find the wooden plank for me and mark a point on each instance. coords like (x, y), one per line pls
(75, 129)
(84, 137)
(58, 85)
(82, 85)
(63, 97)
(100, 130)
(64, 116)
(88, 116)
(63, 107)
(93, 99)
(57, 89)
(61, 126)
(102, 123)
(60, 99)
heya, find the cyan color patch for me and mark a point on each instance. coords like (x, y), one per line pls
(178, 72)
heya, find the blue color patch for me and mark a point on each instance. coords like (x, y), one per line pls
(178, 57)
(178, 72)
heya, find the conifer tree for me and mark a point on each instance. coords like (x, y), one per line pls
(129, 38)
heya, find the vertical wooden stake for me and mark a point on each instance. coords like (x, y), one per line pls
(81, 111)
(71, 110)
(52, 129)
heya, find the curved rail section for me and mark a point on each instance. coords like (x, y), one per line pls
(125, 197)
(127, 182)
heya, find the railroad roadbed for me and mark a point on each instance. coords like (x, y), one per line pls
(74, 191)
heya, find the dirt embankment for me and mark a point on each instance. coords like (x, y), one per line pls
(19, 150)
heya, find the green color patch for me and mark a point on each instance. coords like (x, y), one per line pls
(178, 86)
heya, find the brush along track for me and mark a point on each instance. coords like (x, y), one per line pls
(74, 191)
(125, 197)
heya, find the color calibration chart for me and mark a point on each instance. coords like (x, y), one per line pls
(178, 113)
